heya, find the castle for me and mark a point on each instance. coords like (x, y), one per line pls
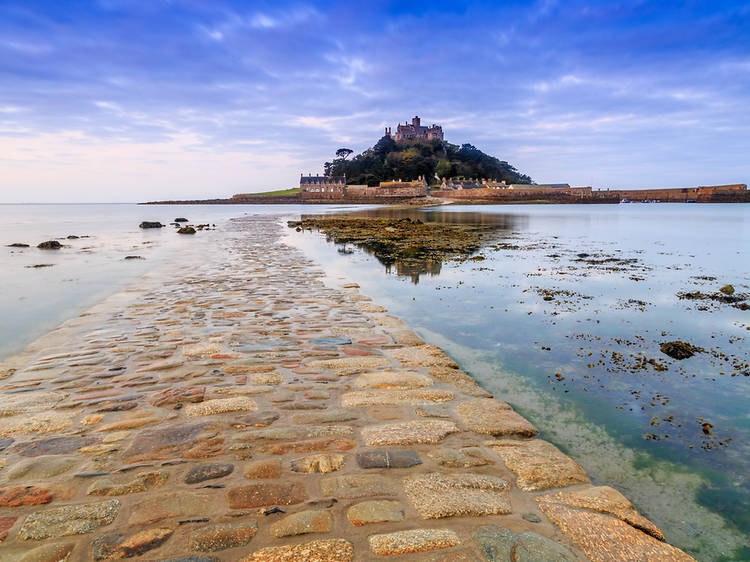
(415, 131)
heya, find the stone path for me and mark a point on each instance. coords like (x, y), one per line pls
(240, 409)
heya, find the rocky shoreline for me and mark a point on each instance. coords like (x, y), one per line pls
(240, 409)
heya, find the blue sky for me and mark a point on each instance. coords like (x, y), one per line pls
(123, 100)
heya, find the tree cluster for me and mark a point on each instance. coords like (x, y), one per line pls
(390, 160)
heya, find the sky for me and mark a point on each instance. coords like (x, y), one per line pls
(134, 100)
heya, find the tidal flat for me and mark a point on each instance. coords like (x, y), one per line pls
(565, 312)
(232, 405)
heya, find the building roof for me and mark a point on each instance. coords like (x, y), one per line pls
(322, 179)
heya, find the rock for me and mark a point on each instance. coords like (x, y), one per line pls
(460, 380)
(331, 341)
(191, 559)
(727, 290)
(498, 544)
(328, 416)
(532, 518)
(489, 416)
(266, 493)
(186, 230)
(437, 495)
(324, 462)
(24, 495)
(121, 545)
(196, 440)
(407, 337)
(603, 535)
(312, 445)
(177, 395)
(29, 402)
(6, 524)
(375, 511)
(221, 537)
(423, 356)
(413, 540)
(390, 458)
(392, 379)
(49, 245)
(263, 469)
(167, 505)
(408, 433)
(460, 458)
(180, 219)
(39, 422)
(394, 397)
(679, 349)
(151, 224)
(5, 442)
(539, 465)
(41, 467)
(59, 552)
(134, 258)
(434, 411)
(53, 446)
(208, 472)
(18, 245)
(350, 365)
(141, 483)
(333, 550)
(69, 520)
(302, 523)
(266, 378)
(357, 486)
(220, 406)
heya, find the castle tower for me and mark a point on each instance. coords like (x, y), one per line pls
(416, 121)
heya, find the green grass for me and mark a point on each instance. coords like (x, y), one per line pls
(292, 191)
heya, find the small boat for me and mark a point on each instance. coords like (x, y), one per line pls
(691, 201)
(624, 201)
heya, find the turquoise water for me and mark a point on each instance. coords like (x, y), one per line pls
(564, 319)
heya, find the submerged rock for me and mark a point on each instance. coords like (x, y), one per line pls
(186, 230)
(727, 290)
(18, 245)
(151, 224)
(679, 349)
(49, 245)
(180, 219)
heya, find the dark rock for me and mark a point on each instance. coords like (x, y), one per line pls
(532, 518)
(679, 349)
(134, 257)
(53, 446)
(331, 341)
(39, 265)
(186, 230)
(727, 290)
(391, 458)
(73, 237)
(6, 442)
(50, 245)
(151, 224)
(180, 219)
(18, 245)
(498, 544)
(207, 472)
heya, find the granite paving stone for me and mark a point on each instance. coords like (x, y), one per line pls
(436, 495)
(413, 540)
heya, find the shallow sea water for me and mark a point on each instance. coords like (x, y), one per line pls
(573, 342)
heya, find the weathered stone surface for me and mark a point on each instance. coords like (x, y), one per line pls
(375, 511)
(460, 458)
(413, 540)
(328, 416)
(359, 398)
(312, 445)
(406, 337)
(6, 524)
(52, 446)
(220, 406)
(602, 536)
(350, 365)
(606, 500)
(6, 442)
(324, 462)
(333, 550)
(266, 493)
(390, 458)
(208, 472)
(59, 552)
(29, 402)
(117, 546)
(539, 465)
(263, 469)
(408, 433)
(241, 368)
(437, 495)
(434, 411)
(498, 544)
(266, 378)
(69, 520)
(129, 421)
(196, 440)
(221, 537)
(141, 483)
(302, 523)
(460, 380)
(423, 356)
(177, 395)
(39, 422)
(393, 379)
(357, 486)
(201, 349)
(167, 505)
(489, 416)
(24, 495)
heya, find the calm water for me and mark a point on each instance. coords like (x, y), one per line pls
(34, 300)
(564, 319)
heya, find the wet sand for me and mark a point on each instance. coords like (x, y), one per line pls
(235, 407)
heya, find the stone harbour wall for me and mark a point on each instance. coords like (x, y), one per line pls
(241, 409)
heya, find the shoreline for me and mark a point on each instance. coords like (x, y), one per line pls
(323, 405)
